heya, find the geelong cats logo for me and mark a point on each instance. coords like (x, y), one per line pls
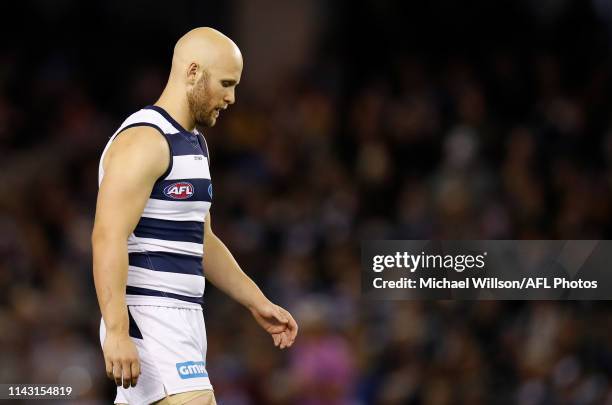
(179, 191)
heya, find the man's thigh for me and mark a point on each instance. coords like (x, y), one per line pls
(202, 397)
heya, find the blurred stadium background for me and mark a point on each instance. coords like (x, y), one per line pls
(355, 119)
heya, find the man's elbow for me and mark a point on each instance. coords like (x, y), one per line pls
(98, 235)
(102, 235)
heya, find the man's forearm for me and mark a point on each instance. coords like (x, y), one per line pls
(221, 269)
(110, 265)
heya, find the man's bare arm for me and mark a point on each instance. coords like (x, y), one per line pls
(223, 271)
(131, 166)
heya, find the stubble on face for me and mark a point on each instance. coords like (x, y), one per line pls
(199, 104)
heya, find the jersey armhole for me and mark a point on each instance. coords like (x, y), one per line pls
(204, 146)
(148, 124)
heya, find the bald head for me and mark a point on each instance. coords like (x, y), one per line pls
(206, 67)
(205, 47)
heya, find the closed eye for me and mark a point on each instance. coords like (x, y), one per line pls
(228, 83)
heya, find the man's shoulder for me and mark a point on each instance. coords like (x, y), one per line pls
(143, 143)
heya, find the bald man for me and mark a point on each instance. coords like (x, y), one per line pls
(152, 238)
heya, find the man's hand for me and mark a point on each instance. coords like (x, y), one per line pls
(121, 358)
(277, 322)
(223, 271)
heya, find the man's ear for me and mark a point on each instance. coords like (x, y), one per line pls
(192, 73)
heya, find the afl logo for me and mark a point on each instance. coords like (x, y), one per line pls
(179, 191)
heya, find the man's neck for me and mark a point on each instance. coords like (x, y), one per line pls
(177, 108)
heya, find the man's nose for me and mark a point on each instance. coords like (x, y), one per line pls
(229, 97)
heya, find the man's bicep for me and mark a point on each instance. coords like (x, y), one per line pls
(207, 224)
(132, 165)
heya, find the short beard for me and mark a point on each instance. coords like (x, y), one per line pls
(198, 106)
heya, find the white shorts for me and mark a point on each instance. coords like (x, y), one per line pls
(171, 343)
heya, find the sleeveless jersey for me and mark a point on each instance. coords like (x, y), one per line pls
(166, 248)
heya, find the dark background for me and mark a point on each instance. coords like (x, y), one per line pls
(354, 120)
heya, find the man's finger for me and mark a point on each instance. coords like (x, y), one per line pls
(109, 368)
(290, 338)
(135, 372)
(280, 340)
(292, 326)
(283, 340)
(117, 373)
(126, 374)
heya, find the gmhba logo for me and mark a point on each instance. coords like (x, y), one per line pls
(191, 369)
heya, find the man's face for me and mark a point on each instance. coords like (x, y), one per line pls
(213, 92)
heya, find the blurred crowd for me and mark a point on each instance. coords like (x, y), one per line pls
(506, 144)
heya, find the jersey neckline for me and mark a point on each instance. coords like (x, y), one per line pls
(167, 116)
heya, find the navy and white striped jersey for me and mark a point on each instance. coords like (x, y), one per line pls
(166, 248)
